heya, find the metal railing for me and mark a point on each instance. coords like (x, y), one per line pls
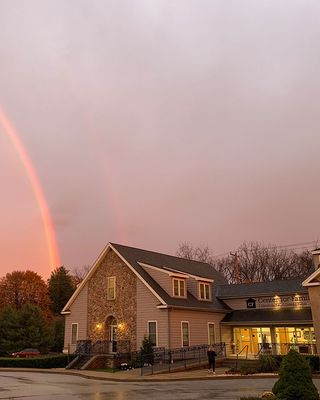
(284, 348)
(246, 347)
(88, 347)
(169, 360)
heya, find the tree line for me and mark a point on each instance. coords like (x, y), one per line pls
(253, 262)
(30, 309)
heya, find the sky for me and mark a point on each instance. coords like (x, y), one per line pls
(155, 122)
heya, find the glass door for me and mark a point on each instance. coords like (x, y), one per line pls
(113, 338)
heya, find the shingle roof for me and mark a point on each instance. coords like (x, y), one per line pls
(261, 288)
(282, 316)
(134, 256)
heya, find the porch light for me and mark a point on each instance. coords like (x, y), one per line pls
(99, 326)
(121, 326)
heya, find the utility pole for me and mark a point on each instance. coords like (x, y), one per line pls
(236, 266)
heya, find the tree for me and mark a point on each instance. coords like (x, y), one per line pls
(253, 262)
(78, 274)
(20, 287)
(57, 334)
(295, 379)
(61, 288)
(146, 351)
(25, 327)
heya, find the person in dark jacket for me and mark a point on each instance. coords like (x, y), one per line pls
(212, 359)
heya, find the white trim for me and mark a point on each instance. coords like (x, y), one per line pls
(66, 310)
(77, 324)
(114, 287)
(179, 287)
(157, 341)
(138, 275)
(214, 332)
(199, 291)
(185, 322)
(95, 265)
(164, 271)
(175, 272)
(307, 282)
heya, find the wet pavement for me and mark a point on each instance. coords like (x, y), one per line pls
(189, 385)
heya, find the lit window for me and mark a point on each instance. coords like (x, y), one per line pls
(74, 333)
(179, 287)
(185, 333)
(152, 332)
(111, 288)
(204, 291)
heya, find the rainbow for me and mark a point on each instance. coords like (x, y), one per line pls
(13, 136)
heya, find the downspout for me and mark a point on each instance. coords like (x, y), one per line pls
(169, 331)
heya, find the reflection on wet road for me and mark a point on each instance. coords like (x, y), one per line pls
(26, 385)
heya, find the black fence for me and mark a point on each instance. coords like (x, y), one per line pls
(88, 347)
(170, 360)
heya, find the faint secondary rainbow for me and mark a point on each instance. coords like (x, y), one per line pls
(13, 136)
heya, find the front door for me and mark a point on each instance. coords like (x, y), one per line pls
(113, 338)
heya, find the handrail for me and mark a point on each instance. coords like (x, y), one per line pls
(237, 357)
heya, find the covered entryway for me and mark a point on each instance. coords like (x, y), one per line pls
(111, 333)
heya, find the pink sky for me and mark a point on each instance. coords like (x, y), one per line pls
(154, 122)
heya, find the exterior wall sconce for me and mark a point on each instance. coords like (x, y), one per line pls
(98, 326)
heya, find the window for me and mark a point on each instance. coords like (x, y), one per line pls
(74, 333)
(211, 333)
(185, 333)
(111, 288)
(179, 287)
(204, 291)
(152, 332)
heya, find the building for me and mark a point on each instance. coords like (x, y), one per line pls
(130, 293)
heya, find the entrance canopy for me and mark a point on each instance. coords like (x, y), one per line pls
(269, 317)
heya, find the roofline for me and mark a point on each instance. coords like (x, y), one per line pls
(176, 272)
(169, 306)
(66, 308)
(260, 294)
(138, 275)
(307, 282)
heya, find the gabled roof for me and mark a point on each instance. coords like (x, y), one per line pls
(313, 279)
(133, 257)
(261, 288)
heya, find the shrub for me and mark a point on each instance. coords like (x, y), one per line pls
(267, 363)
(295, 379)
(59, 361)
(247, 370)
(314, 362)
(146, 351)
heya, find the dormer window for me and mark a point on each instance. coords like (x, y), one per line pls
(179, 287)
(204, 291)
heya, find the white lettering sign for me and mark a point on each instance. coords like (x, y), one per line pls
(294, 300)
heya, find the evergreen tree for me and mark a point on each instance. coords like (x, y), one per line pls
(10, 331)
(61, 288)
(295, 379)
(58, 334)
(34, 328)
(146, 351)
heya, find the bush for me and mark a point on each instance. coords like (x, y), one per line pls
(247, 370)
(267, 363)
(59, 361)
(314, 362)
(295, 379)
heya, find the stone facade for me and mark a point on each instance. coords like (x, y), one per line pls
(123, 308)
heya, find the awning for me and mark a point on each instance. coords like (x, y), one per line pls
(269, 317)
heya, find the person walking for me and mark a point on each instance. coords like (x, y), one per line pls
(211, 359)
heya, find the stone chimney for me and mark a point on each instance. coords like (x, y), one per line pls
(316, 258)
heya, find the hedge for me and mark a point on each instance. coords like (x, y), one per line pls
(264, 360)
(58, 361)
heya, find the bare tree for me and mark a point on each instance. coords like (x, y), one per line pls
(254, 262)
(79, 273)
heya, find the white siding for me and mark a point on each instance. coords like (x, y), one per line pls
(147, 311)
(78, 315)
